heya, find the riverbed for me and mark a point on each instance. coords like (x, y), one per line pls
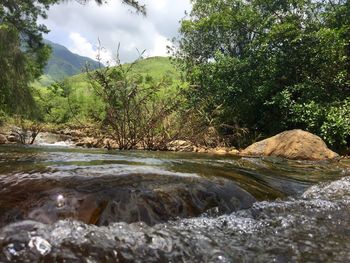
(65, 204)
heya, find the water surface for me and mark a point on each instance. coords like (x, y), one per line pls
(82, 205)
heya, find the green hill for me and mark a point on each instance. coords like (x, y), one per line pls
(156, 67)
(57, 106)
(63, 64)
(153, 68)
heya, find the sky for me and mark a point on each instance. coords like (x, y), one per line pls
(80, 27)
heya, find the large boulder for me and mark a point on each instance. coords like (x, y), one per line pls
(294, 144)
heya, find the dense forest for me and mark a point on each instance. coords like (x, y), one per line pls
(270, 65)
(245, 70)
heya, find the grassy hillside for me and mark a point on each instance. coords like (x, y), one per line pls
(154, 67)
(82, 99)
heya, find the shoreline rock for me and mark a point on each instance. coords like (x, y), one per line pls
(172, 146)
(294, 144)
(3, 139)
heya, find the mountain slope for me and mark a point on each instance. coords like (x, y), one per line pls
(155, 68)
(64, 63)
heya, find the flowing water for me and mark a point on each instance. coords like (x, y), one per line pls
(60, 204)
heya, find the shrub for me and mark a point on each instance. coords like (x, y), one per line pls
(135, 114)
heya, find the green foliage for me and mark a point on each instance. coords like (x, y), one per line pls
(80, 105)
(269, 65)
(136, 113)
(53, 102)
(23, 54)
(17, 70)
(336, 127)
(62, 103)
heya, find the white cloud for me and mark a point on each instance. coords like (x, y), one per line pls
(159, 4)
(159, 48)
(79, 27)
(81, 46)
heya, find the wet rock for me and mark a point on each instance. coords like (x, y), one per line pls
(336, 190)
(180, 146)
(3, 139)
(89, 142)
(116, 194)
(294, 230)
(13, 138)
(187, 146)
(52, 138)
(80, 143)
(72, 132)
(95, 142)
(151, 199)
(176, 201)
(218, 150)
(109, 143)
(223, 150)
(200, 150)
(233, 152)
(293, 144)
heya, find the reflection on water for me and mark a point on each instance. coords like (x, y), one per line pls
(61, 204)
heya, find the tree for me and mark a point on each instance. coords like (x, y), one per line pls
(23, 54)
(269, 65)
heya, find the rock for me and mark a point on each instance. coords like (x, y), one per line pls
(293, 144)
(51, 138)
(13, 138)
(3, 139)
(181, 146)
(109, 144)
(187, 146)
(218, 150)
(80, 143)
(84, 142)
(104, 200)
(223, 151)
(75, 133)
(90, 142)
(66, 132)
(201, 150)
(233, 152)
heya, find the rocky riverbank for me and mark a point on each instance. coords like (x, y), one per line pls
(294, 144)
(88, 138)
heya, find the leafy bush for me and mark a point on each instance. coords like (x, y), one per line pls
(336, 127)
(136, 113)
(53, 102)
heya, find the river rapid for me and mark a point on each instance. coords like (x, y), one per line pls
(62, 204)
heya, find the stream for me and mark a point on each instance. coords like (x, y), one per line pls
(65, 204)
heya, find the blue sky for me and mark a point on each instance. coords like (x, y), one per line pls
(78, 27)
